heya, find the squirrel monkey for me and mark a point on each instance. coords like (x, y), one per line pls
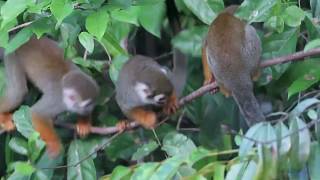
(63, 85)
(144, 86)
(232, 52)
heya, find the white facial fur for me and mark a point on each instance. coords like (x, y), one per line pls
(74, 103)
(143, 91)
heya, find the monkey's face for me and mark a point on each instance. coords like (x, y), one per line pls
(149, 96)
(75, 103)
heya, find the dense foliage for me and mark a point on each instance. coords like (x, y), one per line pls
(207, 138)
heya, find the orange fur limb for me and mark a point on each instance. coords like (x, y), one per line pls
(122, 125)
(171, 105)
(147, 119)
(208, 76)
(6, 121)
(47, 133)
(83, 127)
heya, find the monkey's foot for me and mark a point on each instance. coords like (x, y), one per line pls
(83, 127)
(122, 125)
(209, 80)
(6, 122)
(53, 148)
(172, 105)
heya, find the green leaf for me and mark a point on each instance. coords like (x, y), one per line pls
(190, 41)
(116, 67)
(23, 168)
(35, 146)
(18, 145)
(279, 44)
(151, 17)
(255, 11)
(202, 10)
(122, 147)
(293, 16)
(144, 171)
(304, 82)
(284, 144)
(42, 26)
(302, 106)
(275, 23)
(111, 45)
(177, 144)
(97, 22)
(314, 161)
(242, 171)
(11, 9)
(22, 120)
(168, 168)
(84, 170)
(129, 15)
(301, 142)
(219, 170)
(86, 41)
(60, 10)
(18, 40)
(89, 63)
(315, 43)
(120, 172)
(246, 144)
(145, 150)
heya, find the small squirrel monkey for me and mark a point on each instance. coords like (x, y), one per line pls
(144, 86)
(64, 86)
(232, 52)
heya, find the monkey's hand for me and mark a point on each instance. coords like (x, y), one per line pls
(47, 134)
(172, 104)
(122, 125)
(146, 118)
(83, 127)
(6, 122)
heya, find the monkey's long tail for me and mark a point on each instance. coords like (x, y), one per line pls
(249, 106)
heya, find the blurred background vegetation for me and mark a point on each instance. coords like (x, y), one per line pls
(205, 139)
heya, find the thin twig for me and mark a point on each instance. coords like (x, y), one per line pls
(88, 156)
(20, 26)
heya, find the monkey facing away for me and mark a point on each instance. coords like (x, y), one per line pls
(63, 85)
(143, 86)
(232, 52)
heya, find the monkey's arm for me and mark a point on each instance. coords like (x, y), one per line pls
(43, 112)
(144, 117)
(16, 88)
(172, 104)
(208, 76)
(45, 127)
(83, 126)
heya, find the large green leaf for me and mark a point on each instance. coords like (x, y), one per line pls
(190, 41)
(201, 9)
(151, 17)
(11, 9)
(145, 150)
(86, 169)
(255, 11)
(22, 120)
(61, 9)
(177, 144)
(18, 40)
(301, 142)
(314, 161)
(97, 22)
(293, 16)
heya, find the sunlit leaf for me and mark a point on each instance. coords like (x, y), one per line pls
(145, 150)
